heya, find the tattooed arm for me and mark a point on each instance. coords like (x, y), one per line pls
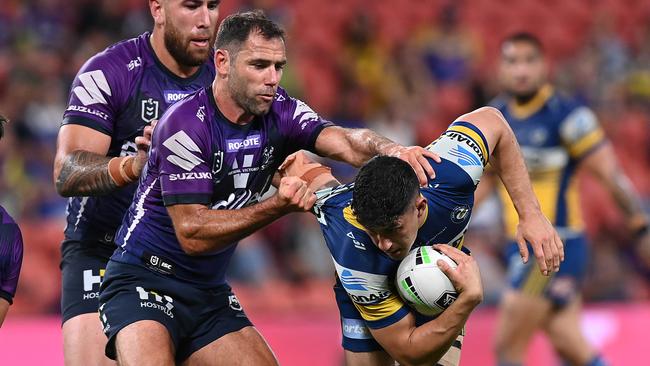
(81, 164)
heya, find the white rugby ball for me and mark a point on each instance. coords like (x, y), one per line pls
(422, 285)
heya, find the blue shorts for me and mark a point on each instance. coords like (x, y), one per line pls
(560, 287)
(82, 270)
(194, 317)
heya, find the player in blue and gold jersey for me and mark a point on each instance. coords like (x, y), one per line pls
(557, 136)
(369, 226)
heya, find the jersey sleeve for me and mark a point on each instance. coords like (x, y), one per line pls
(581, 133)
(98, 93)
(373, 295)
(11, 258)
(183, 148)
(298, 122)
(464, 145)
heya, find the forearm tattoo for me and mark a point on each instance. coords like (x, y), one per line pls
(85, 174)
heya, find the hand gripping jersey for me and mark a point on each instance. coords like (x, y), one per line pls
(118, 92)
(11, 255)
(554, 134)
(365, 272)
(199, 157)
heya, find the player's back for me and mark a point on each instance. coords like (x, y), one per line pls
(118, 92)
(554, 133)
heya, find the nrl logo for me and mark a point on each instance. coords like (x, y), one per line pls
(149, 110)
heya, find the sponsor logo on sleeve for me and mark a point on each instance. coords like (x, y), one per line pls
(82, 109)
(190, 176)
(364, 288)
(183, 149)
(93, 87)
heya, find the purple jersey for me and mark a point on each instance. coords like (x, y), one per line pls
(118, 92)
(11, 255)
(199, 157)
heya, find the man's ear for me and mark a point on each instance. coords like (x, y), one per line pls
(157, 12)
(222, 61)
(421, 205)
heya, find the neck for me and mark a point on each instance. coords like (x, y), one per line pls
(227, 105)
(166, 58)
(525, 98)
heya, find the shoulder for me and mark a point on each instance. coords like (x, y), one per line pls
(190, 115)
(499, 102)
(288, 108)
(122, 57)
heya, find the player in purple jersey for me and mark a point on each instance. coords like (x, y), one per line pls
(11, 254)
(102, 148)
(164, 298)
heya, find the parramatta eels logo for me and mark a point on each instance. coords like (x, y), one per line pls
(464, 156)
(350, 282)
(459, 214)
(149, 110)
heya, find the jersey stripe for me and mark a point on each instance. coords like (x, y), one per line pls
(471, 131)
(586, 143)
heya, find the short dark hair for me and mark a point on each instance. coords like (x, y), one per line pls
(236, 28)
(3, 120)
(383, 191)
(525, 37)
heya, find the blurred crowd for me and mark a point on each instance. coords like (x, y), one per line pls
(403, 68)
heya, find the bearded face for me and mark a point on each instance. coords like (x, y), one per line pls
(188, 48)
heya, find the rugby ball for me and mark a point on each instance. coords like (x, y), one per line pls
(422, 285)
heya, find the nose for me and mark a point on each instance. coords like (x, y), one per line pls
(203, 16)
(273, 77)
(384, 244)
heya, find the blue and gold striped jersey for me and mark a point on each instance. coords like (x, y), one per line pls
(554, 133)
(365, 272)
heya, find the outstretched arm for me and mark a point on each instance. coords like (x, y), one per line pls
(508, 163)
(602, 164)
(200, 229)
(356, 146)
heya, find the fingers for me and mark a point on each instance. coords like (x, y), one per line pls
(523, 249)
(422, 160)
(287, 161)
(448, 271)
(432, 155)
(559, 244)
(542, 261)
(451, 252)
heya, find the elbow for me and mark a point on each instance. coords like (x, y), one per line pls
(414, 359)
(61, 188)
(185, 233)
(191, 247)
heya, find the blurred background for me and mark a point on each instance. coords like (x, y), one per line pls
(404, 68)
